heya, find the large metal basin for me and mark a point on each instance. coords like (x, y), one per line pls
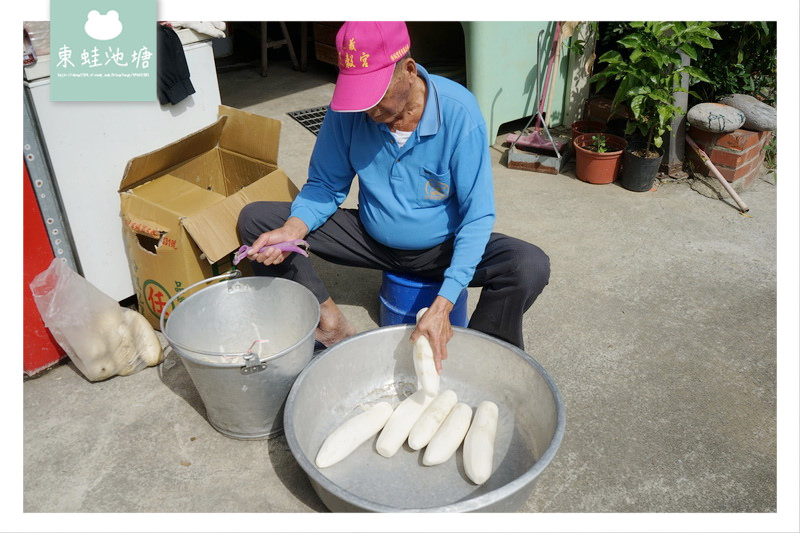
(378, 364)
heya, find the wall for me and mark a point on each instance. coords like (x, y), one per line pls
(502, 69)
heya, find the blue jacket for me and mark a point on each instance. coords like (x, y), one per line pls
(437, 186)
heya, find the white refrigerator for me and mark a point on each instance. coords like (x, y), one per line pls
(89, 144)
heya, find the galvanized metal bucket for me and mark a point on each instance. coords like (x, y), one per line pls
(244, 342)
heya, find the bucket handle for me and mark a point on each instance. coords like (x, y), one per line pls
(227, 275)
(253, 363)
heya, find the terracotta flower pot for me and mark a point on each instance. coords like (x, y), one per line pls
(595, 167)
(580, 127)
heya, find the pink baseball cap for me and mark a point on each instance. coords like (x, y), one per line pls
(367, 52)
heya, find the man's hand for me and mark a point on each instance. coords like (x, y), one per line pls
(293, 229)
(435, 326)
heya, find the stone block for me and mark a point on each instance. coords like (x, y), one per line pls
(716, 118)
(758, 115)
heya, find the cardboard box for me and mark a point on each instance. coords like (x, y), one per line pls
(180, 204)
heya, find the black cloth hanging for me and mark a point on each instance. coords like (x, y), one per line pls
(173, 72)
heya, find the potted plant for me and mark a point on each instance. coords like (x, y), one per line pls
(648, 79)
(597, 157)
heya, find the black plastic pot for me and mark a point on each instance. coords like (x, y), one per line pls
(639, 173)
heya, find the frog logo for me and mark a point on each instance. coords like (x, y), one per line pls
(436, 190)
(102, 27)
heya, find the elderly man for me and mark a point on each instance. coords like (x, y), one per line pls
(417, 143)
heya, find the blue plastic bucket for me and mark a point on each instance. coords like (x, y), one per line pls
(402, 295)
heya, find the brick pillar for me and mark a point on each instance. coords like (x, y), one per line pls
(737, 155)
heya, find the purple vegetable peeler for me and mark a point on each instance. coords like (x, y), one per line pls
(299, 246)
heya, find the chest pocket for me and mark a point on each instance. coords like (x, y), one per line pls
(432, 188)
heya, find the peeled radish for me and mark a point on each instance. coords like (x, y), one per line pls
(400, 423)
(424, 365)
(353, 433)
(431, 419)
(449, 437)
(479, 443)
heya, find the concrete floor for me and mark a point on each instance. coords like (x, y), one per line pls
(658, 326)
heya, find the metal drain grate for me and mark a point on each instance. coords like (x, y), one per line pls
(311, 118)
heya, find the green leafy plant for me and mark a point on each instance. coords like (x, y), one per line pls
(771, 152)
(599, 143)
(743, 62)
(651, 73)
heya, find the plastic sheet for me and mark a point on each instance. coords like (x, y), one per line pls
(102, 338)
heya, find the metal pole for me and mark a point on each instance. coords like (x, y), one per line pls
(44, 185)
(674, 152)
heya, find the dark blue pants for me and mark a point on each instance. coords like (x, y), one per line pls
(512, 272)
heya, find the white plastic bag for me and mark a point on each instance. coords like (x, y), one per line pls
(101, 338)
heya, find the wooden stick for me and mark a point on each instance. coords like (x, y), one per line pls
(742, 206)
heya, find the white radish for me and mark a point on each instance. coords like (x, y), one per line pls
(424, 365)
(144, 337)
(449, 436)
(479, 443)
(431, 419)
(396, 430)
(135, 344)
(125, 351)
(353, 433)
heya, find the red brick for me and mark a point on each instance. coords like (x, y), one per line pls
(739, 168)
(697, 161)
(765, 137)
(745, 181)
(744, 169)
(705, 147)
(726, 157)
(756, 163)
(728, 173)
(758, 159)
(739, 139)
(741, 183)
(732, 174)
(733, 158)
(704, 139)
